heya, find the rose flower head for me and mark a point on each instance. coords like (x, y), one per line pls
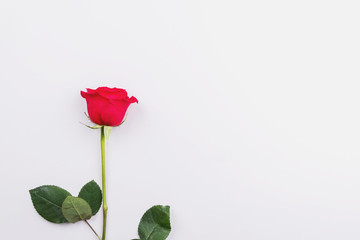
(107, 106)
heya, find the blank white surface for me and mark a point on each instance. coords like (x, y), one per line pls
(247, 122)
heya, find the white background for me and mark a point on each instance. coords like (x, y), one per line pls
(247, 122)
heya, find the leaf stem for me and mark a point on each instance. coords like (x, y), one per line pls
(105, 207)
(92, 229)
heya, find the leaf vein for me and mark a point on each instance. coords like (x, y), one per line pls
(153, 230)
(48, 200)
(76, 210)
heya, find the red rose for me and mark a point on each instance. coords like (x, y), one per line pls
(107, 106)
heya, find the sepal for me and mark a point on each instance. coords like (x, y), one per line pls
(92, 127)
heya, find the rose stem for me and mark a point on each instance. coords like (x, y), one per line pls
(92, 229)
(105, 207)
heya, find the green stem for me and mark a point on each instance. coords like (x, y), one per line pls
(105, 207)
(92, 229)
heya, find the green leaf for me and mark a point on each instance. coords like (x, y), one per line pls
(155, 223)
(47, 201)
(76, 209)
(107, 132)
(91, 193)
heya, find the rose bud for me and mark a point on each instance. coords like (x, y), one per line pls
(107, 106)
